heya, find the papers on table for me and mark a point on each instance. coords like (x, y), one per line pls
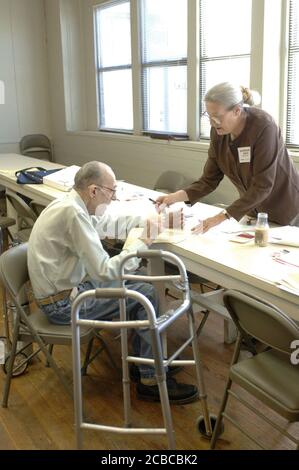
(62, 179)
(291, 281)
(281, 268)
(288, 236)
(130, 192)
(172, 236)
(167, 236)
(287, 258)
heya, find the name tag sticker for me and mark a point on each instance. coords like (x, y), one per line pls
(244, 154)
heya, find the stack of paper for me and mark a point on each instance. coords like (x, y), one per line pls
(63, 179)
(288, 236)
(291, 281)
(172, 235)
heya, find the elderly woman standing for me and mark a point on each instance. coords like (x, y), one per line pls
(246, 146)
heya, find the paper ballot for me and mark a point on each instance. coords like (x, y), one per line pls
(288, 236)
(63, 179)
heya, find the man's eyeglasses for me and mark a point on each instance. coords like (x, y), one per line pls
(112, 191)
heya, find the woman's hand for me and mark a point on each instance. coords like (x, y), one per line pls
(169, 199)
(206, 224)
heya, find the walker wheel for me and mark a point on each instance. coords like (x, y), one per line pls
(200, 424)
(20, 357)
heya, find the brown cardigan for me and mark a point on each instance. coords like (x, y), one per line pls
(268, 183)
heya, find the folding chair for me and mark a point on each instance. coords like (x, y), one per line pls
(36, 146)
(269, 376)
(170, 181)
(158, 326)
(36, 207)
(34, 327)
(5, 223)
(24, 215)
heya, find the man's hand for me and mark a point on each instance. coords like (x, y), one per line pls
(155, 224)
(168, 199)
(206, 224)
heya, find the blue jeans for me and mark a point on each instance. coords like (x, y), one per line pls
(59, 313)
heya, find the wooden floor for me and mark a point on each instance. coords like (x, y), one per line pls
(40, 414)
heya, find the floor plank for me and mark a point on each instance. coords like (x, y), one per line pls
(40, 413)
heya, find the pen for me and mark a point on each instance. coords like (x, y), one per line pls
(152, 200)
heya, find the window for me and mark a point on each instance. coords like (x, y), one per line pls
(225, 45)
(178, 49)
(293, 76)
(113, 34)
(164, 65)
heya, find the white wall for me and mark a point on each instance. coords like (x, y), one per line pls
(135, 158)
(24, 71)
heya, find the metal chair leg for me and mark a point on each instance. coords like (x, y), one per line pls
(220, 415)
(203, 321)
(199, 374)
(161, 381)
(106, 349)
(11, 363)
(87, 357)
(51, 346)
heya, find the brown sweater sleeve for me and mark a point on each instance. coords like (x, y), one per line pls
(264, 156)
(210, 179)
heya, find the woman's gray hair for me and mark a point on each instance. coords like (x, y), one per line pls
(230, 95)
(90, 173)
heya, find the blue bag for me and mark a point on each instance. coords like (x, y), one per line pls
(33, 175)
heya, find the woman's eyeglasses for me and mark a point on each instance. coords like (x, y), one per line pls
(216, 119)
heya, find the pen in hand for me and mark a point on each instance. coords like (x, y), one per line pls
(152, 200)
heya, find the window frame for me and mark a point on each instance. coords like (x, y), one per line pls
(290, 51)
(261, 17)
(183, 61)
(101, 69)
(204, 59)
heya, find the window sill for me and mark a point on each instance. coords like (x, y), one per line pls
(115, 137)
(294, 154)
(190, 145)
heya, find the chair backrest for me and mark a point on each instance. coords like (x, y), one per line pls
(262, 320)
(13, 269)
(36, 145)
(36, 207)
(170, 181)
(24, 212)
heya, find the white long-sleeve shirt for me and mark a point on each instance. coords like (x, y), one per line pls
(65, 248)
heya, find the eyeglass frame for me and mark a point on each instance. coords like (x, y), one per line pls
(217, 120)
(112, 191)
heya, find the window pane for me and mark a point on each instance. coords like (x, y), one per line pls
(226, 27)
(293, 108)
(164, 29)
(166, 99)
(114, 35)
(293, 76)
(294, 12)
(116, 100)
(235, 70)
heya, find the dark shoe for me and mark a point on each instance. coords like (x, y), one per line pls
(135, 374)
(249, 345)
(178, 393)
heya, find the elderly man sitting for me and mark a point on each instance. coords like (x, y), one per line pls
(66, 256)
